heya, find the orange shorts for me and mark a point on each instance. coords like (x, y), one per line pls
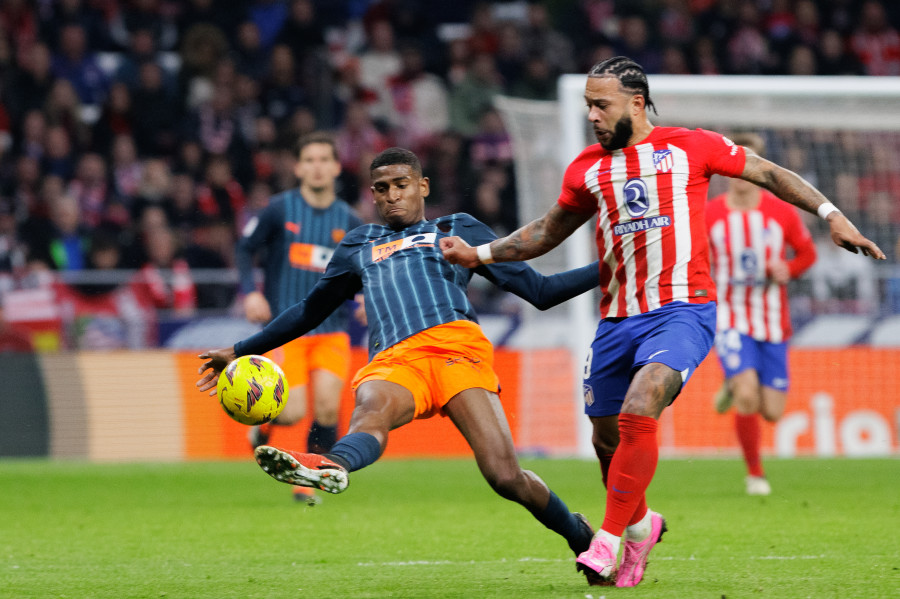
(436, 364)
(328, 351)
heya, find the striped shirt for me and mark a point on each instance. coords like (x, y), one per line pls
(299, 241)
(650, 200)
(743, 243)
(409, 287)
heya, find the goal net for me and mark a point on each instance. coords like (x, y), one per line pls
(840, 133)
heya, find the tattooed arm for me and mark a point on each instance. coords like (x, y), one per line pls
(534, 239)
(795, 190)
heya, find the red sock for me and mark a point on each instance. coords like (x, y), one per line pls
(641, 509)
(631, 471)
(747, 428)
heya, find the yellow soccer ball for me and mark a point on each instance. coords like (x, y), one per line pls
(252, 390)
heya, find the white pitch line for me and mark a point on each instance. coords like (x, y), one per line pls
(552, 561)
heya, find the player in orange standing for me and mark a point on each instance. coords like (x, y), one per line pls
(749, 232)
(299, 230)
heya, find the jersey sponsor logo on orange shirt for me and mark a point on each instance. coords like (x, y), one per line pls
(307, 256)
(380, 252)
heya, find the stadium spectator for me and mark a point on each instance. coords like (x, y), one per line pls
(155, 132)
(221, 197)
(126, 169)
(30, 85)
(164, 280)
(418, 111)
(116, 118)
(298, 232)
(542, 39)
(62, 241)
(438, 363)
(59, 157)
(90, 188)
(658, 313)
(472, 97)
(249, 55)
(378, 62)
(12, 249)
(876, 42)
(63, 109)
(281, 93)
(75, 63)
(134, 17)
(750, 232)
(302, 31)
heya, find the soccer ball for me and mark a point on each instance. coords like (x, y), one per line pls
(252, 390)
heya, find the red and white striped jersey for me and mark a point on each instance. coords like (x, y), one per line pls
(650, 199)
(743, 243)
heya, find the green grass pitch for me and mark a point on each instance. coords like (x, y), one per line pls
(429, 528)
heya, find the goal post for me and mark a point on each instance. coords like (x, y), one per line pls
(840, 133)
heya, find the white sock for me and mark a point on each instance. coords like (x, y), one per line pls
(610, 538)
(640, 530)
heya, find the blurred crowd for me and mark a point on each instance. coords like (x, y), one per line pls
(142, 135)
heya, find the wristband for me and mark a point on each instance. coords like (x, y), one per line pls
(484, 253)
(825, 209)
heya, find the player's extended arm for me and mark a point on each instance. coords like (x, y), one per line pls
(328, 294)
(542, 291)
(792, 188)
(534, 239)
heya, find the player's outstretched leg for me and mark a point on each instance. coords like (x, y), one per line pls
(302, 469)
(635, 553)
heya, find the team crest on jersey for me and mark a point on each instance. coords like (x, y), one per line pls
(663, 160)
(637, 197)
(380, 252)
(337, 235)
(292, 227)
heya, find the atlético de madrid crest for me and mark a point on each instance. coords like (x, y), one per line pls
(663, 160)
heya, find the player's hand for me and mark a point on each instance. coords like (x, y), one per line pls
(846, 235)
(256, 307)
(359, 313)
(778, 271)
(216, 361)
(457, 251)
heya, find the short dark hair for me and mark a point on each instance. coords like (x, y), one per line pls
(316, 137)
(396, 156)
(630, 74)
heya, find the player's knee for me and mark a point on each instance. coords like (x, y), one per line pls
(771, 414)
(505, 481)
(605, 444)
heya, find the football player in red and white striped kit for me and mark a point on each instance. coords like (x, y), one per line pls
(750, 231)
(647, 185)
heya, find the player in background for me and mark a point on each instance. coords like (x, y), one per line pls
(647, 185)
(297, 232)
(428, 356)
(749, 232)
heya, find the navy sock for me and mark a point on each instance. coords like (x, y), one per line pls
(557, 517)
(355, 451)
(320, 438)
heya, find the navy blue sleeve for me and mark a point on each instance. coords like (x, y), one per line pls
(269, 222)
(519, 278)
(338, 284)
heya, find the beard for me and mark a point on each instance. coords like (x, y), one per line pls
(622, 132)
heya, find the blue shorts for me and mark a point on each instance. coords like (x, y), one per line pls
(678, 335)
(738, 352)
